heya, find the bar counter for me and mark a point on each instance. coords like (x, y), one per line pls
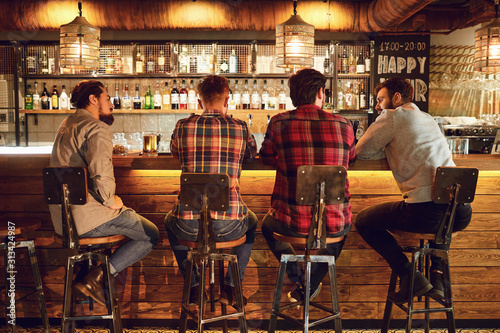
(151, 289)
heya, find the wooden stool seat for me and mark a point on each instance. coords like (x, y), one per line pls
(302, 241)
(24, 235)
(88, 241)
(218, 245)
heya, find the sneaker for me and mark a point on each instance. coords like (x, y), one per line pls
(437, 291)
(420, 287)
(228, 296)
(298, 294)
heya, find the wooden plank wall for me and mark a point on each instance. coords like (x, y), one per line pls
(151, 289)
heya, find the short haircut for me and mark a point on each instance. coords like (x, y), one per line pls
(213, 88)
(394, 85)
(304, 85)
(82, 91)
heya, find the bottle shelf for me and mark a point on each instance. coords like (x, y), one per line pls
(159, 111)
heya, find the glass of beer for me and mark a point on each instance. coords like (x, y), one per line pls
(149, 144)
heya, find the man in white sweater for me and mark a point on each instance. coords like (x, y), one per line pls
(414, 147)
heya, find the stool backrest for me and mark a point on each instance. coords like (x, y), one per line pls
(453, 186)
(205, 192)
(320, 185)
(66, 186)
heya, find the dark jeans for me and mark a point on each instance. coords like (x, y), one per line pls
(143, 236)
(224, 230)
(318, 271)
(374, 223)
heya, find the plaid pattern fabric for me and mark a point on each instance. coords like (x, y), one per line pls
(214, 143)
(307, 136)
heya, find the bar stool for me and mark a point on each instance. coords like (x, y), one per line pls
(65, 187)
(19, 233)
(452, 186)
(318, 185)
(206, 192)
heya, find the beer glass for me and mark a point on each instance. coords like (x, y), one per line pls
(149, 144)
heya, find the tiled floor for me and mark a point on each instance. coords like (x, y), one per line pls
(91, 329)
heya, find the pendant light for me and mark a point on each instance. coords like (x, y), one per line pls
(79, 42)
(487, 44)
(294, 42)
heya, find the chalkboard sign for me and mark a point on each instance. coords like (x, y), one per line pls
(405, 56)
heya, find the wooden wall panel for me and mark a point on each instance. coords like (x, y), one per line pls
(145, 288)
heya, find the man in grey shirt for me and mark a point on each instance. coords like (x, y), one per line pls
(414, 147)
(84, 140)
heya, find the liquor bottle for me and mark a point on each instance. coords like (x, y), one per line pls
(137, 99)
(326, 63)
(118, 63)
(362, 97)
(174, 95)
(183, 96)
(31, 63)
(36, 98)
(55, 98)
(183, 60)
(45, 63)
(116, 100)
(282, 97)
(367, 62)
(345, 62)
(340, 96)
(161, 62)
(45, 98)
(126, 101)
(148, 99)
(151, 64)
(360, 64)
(265, 97)
(139, 64)
(328, 104)
(28, 99)
(352, 63)
(192, 97)
(193, 62)
(272, 103)
(63, 99)
(355, 96)
(230, 103)
(349, 100)
(166, 97)
(110, 62)
(233, 62)
(157, 98)
(245, 98)
(224, 66)
(237, 96)
(255, 97)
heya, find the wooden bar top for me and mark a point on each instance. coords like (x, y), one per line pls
(166, 162)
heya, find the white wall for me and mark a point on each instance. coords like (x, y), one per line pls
(458, 37)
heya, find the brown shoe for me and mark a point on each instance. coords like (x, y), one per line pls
(92, 285)
(228, 296)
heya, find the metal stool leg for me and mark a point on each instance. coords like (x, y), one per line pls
(388, 304)
(239, 294)
(334, 294)
(185, 294)
(223, 307)
(201, 308)
(415, 259)
(277, 295)
(112, 302)
(38, 285)
(448, 297)
(307, 294)
(68, 296)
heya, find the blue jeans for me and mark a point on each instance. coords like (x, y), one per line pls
(224, 230)
(318, 271)
(374, 222)
(143, 235)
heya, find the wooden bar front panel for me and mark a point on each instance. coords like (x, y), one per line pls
(151, 289)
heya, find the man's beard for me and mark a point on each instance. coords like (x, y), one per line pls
(106, 118)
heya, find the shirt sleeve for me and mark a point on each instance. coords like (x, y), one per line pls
(380, 133)
(268, 156)
(100, 164)
(174, 143)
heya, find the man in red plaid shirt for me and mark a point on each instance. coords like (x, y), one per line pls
(213, 143)
(305, 136)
